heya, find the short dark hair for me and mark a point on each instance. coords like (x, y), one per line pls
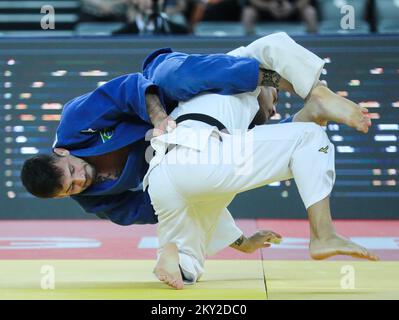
(41, 177)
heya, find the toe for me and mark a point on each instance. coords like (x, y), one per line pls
(162, 277)
(372, 256)
(170, 282)
(364, 110)
(365, 129)
(177, 284)
(367, 120)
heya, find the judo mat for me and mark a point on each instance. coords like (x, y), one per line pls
(86, 259)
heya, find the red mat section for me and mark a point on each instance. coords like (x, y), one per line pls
(380, 236)
(87, 239)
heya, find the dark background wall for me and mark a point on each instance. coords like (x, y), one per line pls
(39, 76)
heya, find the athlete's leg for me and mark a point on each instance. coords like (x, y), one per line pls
(321, 107)
(264, 155)
(321, 110)
(300, 69)
(324, 241)
(167, 269)
(182, 76)
(324, 105)
(187, 230)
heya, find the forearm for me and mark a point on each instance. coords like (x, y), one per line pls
(155, 109)
(160, 120)
(260, 117)
(241, 244)
(267, 101)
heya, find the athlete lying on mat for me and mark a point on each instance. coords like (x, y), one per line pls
(100, 148)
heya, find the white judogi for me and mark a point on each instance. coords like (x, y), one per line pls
(192, 185)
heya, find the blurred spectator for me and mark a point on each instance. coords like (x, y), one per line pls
(148, 17)
(276, 10)
(175, 7)
(102, 10)
(214, 10)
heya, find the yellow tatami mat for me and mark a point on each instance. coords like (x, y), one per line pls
(223, 279)
(125, 279)
(332, 280)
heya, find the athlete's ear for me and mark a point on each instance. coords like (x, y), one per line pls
(61, 152)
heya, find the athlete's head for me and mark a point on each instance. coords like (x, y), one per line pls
(57, 175)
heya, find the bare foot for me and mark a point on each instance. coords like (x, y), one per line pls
(167, 269)
(324, 105)
(337, 245)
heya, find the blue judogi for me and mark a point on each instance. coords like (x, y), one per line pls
(115, 115)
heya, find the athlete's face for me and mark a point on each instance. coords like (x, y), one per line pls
(268, 100)
(77, 176)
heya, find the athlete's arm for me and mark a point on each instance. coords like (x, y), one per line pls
(267, 101)
(260, 239)
(156, 112)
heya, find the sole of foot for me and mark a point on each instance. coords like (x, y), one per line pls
(332, 107)
(323, 249)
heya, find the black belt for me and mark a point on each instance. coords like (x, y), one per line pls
(203, 118)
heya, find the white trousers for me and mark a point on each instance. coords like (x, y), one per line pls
(191, 189)
(191, 186)
(280, 53)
